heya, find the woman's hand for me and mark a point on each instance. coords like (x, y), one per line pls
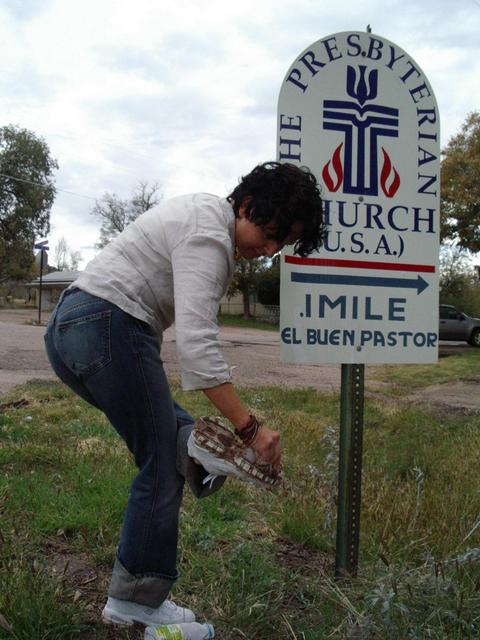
(267, 442)
(267, 447)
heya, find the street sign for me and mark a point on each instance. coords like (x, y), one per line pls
(41, 260)
(360, 113)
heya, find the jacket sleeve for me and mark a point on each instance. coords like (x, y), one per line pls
(201, 272)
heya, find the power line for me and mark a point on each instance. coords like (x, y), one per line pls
(39, 184)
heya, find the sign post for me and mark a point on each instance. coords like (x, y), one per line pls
(43, 263)
(350, 469)
(360, 113)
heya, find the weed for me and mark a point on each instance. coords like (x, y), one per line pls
(34, 605)
(258, 564)
(433, 600)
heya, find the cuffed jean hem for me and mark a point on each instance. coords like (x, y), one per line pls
(149, 591)
(194, 473)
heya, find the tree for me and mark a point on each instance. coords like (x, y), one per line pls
(245, 280)
(268, 288)
(460, 194)
(66, 259)
(27, 193)
(116, 213)
(459, 283)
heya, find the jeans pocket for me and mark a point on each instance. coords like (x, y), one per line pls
(84, 343)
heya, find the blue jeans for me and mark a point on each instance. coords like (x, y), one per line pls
(112, 360)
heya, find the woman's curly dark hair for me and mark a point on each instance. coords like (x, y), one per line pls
(283, 193)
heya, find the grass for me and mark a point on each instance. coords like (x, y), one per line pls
(229, 320)
(258, 564)
(15, 303)
(402, 380)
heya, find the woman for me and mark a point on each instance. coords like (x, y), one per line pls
(174, 263)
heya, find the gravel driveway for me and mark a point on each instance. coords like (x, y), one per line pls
(253, 353)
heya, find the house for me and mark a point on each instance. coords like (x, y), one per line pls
(55, 282)
(234, 306)
(52, 286)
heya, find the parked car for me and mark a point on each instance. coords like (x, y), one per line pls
(455, 325)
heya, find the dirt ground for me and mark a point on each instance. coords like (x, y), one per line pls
(254, 355)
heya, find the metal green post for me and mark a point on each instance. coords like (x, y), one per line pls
(42, 253)
(350, 469)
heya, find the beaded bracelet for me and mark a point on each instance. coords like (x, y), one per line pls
(249, 434)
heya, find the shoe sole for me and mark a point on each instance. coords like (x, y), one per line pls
(211, 435)
(127, 621)
(118, 621)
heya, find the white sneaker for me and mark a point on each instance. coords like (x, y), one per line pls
(221, 453)
(126, 613)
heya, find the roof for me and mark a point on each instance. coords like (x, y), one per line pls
(55, 278)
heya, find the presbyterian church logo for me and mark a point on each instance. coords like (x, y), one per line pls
(365, 126)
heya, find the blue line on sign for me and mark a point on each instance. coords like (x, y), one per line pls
(320, 278)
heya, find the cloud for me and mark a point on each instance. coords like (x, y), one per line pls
(185, 93)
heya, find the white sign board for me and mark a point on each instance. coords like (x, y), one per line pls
(360, 113)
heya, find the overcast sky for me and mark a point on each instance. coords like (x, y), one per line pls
(185, 92)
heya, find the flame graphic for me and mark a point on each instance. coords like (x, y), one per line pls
(387, 168)
(337, 167)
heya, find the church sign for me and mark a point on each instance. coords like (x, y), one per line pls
(360, 113)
